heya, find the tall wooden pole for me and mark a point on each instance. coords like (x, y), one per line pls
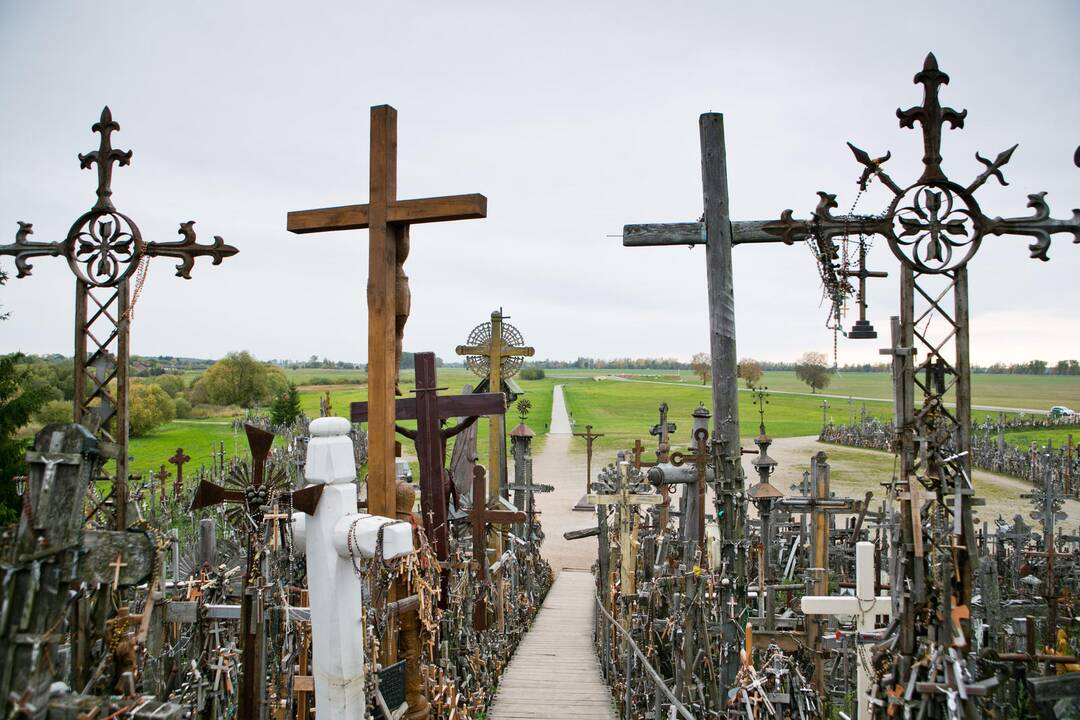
(730, 495)
(496, 430)
(382, 271)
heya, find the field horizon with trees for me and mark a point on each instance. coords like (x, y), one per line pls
(192, 403)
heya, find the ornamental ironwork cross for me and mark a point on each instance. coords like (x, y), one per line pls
(178, 460)
(497, 350)
(387, 220)
(104, 248)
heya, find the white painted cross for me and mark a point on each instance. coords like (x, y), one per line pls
(331, 538)
(864, 606)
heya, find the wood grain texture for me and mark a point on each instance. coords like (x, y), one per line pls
(420, 210)
(554, 673)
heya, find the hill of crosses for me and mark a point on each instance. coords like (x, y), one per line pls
(401, 557)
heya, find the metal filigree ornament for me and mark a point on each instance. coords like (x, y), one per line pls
(481, 336)
(933, 225)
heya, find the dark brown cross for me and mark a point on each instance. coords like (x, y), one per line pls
(481, 517)
(178, 460)
(387, 220)
(429, 409)
(255, 500)
(589, 436)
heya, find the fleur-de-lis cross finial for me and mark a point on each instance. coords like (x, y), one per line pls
(932, 116)
(104, 157)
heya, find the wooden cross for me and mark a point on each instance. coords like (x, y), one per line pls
(178, 460)
(481, 516)
(429, 409)
(590, 437)
(387, 219)
(864, 606)
(496, 351)
(626, 502)
(274, 518)
(116, 565)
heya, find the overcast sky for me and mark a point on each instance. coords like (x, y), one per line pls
(573, 118)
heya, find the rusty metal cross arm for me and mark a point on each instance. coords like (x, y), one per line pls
(23, 249)
(188, 249)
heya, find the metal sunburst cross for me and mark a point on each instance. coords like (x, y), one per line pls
(104, 248)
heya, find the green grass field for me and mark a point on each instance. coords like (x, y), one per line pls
(623, 411)
(197, 437)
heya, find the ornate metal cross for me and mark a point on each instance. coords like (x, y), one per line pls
(178, 460)
(104, 248)
(387, 220)
(496, 351)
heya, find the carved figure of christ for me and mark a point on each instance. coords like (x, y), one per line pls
(387, 220)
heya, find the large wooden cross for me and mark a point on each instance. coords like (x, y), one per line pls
(496, 350)
(429, 409)
(387, 220)
(481, 516)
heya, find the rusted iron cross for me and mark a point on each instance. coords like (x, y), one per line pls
(387, 219)
(178, 460)
(429, 409)
(481, 516)
(104, 248)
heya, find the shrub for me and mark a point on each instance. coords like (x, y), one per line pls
(148, 406)
(183, 408)
(532, 373)
(54, 411)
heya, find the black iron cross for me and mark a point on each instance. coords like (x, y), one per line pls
(662, 430)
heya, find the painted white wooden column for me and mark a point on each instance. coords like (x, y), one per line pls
(865, 608)
(331, 538)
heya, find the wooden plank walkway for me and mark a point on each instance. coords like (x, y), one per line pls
(554, 673)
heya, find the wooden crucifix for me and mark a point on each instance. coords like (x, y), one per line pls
(481, 516)
(429, 409)
(497, 351)
(178, 460)
(256, 501)
(589, 437)
(387, 219)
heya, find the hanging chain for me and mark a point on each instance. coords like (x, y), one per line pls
(140, 280)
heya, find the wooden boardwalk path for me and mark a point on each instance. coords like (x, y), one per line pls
(554, 673)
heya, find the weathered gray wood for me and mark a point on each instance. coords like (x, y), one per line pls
(554, 672)
(134, 548)
(660, 234)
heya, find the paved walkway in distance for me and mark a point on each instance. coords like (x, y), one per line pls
(560, 420)
(555, 673)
